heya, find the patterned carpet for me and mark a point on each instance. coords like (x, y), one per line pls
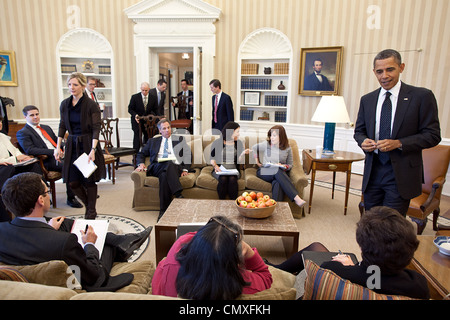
(121, 225)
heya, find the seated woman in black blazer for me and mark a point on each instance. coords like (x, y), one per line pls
(229, 152)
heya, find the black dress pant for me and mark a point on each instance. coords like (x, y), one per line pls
(382, 188)
(169, 181)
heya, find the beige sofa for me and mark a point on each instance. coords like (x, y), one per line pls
(201, 184)
(48, 281)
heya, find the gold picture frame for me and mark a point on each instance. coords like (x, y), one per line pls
(8, 69)
(327, 62)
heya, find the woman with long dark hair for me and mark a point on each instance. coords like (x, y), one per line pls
(228, 151)
(274, 158)
(212, 264)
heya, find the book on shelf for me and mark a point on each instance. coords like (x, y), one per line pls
(281, 68)
(256, 84)
(280, 116)
(250, 68)
(246, 115)
(275, 101)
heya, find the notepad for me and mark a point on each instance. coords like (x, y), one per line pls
(25, 163)
(86, 167)
(227, 172)
(100, 229)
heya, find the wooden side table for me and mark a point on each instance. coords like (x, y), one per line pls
(340, 161)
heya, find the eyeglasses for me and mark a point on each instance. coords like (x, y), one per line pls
(46, 193)
(234, 232)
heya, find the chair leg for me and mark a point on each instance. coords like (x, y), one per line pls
(435, 218)
(421, 224)
(52, 187)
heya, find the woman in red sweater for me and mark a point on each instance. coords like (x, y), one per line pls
(211, 264)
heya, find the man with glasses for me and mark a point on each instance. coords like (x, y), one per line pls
(31, 238)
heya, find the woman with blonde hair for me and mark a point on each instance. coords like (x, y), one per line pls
(81, 117)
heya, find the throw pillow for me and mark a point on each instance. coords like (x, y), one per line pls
(11, 274)
(323, 284)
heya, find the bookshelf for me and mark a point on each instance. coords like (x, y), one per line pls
(88, 52)
(265, 74)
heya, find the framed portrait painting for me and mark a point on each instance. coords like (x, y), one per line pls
(320, 71)
(8, 69)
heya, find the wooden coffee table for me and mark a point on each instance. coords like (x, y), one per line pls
(434, 266)
(280, 224)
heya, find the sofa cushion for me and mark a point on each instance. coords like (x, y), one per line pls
(323, 284)
(31, 291)
(252, 182)
(50, 273)
(142, 270)
(11, 274)
(206, 181)
(282, 287)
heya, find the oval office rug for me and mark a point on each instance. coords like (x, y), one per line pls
(121, 225)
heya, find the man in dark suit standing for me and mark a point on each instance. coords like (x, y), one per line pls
(137, 108)
(170, 159)
(31, 238)
(157, 99)
(222, 106)
(37, 139)
(395, 123)
(4, 113)
(316, 81)
(187, 96)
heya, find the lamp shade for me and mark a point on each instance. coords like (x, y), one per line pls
(331, 109)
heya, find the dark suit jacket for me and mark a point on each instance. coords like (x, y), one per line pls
(189, 113)
(225, 112)
(416, 125)
(152, 147)
(312, 83)
(25, 242)
(32, 143)
(153, 107)
(5, 127)
(136, 107)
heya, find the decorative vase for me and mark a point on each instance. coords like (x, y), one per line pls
(281, 86)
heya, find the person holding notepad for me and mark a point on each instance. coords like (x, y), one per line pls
(170, 159)
(31, 238)
(229, 153)
(81, 117)
(274, 158)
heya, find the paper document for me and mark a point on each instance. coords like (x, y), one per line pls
(227, 172)
(274, 165)
(25, 163)
(170, 158)
(100, 229)
(86, 168)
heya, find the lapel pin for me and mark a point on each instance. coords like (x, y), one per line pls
(406, 99)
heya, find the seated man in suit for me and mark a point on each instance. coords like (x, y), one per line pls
(37, 139)
(31, 238)
(168, 171)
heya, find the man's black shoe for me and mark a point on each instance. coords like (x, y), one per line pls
(132, 242)
(74, 203)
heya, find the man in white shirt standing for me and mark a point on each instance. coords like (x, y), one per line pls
(38, 139)
(90, 88)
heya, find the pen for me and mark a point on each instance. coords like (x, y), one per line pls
(86, 229)
(340, 252)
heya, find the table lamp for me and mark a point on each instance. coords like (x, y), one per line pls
(331, 110)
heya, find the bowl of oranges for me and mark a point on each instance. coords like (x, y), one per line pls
(255, 205)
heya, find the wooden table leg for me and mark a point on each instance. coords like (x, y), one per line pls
(347, 189)
(313, 177)
(334, 182)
